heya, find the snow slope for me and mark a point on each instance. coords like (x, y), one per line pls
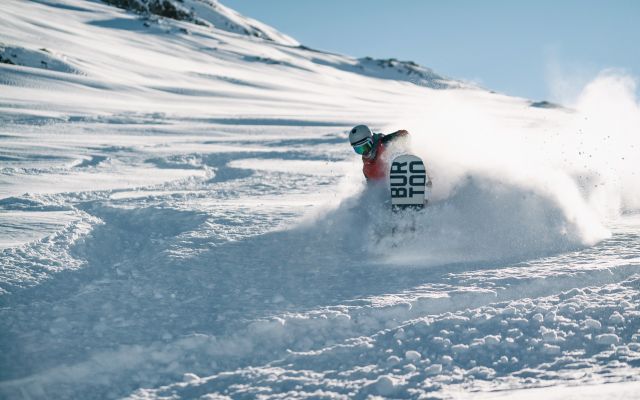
(181, 217)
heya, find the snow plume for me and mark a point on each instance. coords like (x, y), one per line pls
(549, 182)
(509, 185)
(606, 133)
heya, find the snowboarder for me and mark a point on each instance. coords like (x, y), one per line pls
(372, 147)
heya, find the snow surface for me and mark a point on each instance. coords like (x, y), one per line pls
(181, 217)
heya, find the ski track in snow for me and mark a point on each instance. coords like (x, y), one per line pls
(191, 250)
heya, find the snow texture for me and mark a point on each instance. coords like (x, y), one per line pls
(181, 217)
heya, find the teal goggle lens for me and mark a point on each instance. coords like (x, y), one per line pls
(363, 148)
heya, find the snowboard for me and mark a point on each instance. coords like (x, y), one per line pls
(408, 182)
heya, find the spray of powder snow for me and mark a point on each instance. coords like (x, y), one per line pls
(510, 181)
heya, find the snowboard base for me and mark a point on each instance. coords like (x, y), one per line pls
(408, 183)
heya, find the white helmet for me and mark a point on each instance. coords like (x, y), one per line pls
(359, 134)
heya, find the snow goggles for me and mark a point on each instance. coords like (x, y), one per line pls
(364, 146)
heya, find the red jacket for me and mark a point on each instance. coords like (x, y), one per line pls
(374, 166)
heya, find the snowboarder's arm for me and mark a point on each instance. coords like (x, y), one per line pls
(394, 135)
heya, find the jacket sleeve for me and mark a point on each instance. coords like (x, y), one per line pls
(392, 136)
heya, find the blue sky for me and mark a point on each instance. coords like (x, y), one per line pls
(522, 48)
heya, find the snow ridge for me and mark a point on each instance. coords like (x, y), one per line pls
(207, 13)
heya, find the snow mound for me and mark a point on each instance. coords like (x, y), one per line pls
(389, 69)
(544, 104)
(403, 71)
(40, 58)
(206, 13)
